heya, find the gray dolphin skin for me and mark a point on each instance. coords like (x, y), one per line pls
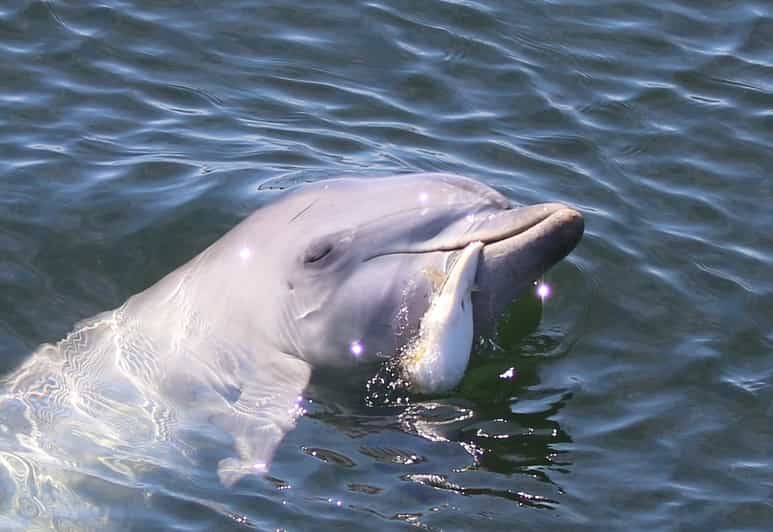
(217, 354)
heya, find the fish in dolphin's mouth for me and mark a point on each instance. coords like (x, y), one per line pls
(437, 358)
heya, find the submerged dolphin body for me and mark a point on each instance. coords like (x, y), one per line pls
(332, 274)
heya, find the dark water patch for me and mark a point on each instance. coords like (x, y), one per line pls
(330, 457)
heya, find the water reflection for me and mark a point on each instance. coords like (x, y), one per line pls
(501, 421)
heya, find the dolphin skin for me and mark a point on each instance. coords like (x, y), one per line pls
(217, 354)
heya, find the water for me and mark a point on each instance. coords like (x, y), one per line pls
(132, 136)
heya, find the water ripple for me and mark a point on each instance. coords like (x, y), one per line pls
(133, 135)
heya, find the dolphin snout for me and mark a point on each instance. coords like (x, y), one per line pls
(571, 221)
(510, 265)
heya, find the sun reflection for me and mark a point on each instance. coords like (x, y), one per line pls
(245, 253)
(543, 290)
(356, 348)
(508, 375)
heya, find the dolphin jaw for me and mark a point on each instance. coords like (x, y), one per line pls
(509, 266)
(490, 228)
(520, 245)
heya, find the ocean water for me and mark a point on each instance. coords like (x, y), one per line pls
(133, 134)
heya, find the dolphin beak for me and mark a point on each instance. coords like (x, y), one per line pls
(534, 239)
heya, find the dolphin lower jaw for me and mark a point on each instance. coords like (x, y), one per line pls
(510, 265)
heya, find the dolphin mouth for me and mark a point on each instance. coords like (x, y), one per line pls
(495, 227)
(523, 222)
(548, 223)
(520, 245)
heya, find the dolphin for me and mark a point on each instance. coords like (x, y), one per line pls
(334, 275)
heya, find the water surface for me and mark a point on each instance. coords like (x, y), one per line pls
(132, 135)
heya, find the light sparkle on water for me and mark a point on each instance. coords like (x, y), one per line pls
(356, 348)
(543, 290)
(508, 375)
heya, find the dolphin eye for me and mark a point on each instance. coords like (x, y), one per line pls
(317, 251)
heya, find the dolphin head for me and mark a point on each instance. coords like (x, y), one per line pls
(356, 261)
(335, 275)
(353, 263)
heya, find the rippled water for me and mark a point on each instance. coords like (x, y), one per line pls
(132, 136)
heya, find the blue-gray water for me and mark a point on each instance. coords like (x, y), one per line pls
(133, 135)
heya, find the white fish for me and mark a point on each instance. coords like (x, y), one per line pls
(436, 361)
